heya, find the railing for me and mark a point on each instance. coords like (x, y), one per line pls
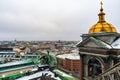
(112, 73)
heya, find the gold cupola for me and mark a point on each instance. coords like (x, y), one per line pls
(102, 25)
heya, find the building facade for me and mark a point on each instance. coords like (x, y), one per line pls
(99, 48)
(69, 62)
(73, 65)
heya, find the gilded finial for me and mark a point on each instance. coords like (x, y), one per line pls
(101, 14)
(101, 3)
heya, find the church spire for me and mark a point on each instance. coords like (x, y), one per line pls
(101, 14)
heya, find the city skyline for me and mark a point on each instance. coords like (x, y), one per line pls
(53, 19)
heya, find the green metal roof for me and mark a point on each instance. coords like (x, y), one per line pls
(16, 63)
(21, 67)
(101, 42)
(64, 75)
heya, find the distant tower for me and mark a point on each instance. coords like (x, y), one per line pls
(15, 40)
(100, 48)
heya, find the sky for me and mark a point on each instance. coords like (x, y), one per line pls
(53, 19)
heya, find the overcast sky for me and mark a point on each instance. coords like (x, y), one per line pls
(53, 19)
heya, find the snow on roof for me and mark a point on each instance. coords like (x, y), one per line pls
(78, 43)
(75, 50)
(74, 56)
(116, 44)
(39, 74)
(63, 56)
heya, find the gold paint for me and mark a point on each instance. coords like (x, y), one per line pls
(102, 25)
(101, 4)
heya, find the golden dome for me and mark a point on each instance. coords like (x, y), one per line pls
(102, 25)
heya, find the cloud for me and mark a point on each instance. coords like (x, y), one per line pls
(50, 19)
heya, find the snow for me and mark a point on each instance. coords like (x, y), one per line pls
(116, 44)
(38, 74)
(73, 56)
